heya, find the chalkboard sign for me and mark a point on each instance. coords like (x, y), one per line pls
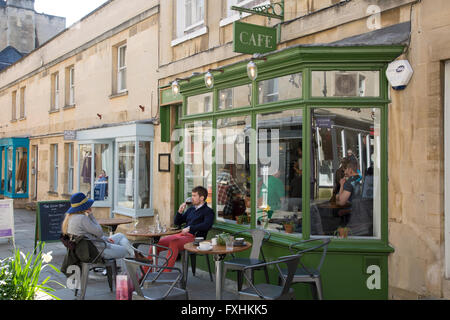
(49, 218)
(7, 219)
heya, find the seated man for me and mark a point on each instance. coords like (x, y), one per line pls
(199, 219)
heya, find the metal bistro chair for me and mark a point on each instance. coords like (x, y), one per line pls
(305, 274)
(239, 264)
(193, 257)
(149, 275)
(154, 290)
(266, 291)
(98, 262)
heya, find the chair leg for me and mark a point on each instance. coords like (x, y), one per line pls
(240, 279)
(267, 275)
(209, 267)
(193, 262)
(109, 273)
(318, 282)
(84, 280)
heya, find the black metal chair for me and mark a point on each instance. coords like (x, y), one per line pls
(305, 274)
(193, 257)
(154, 290)
(149, 275)
(266, 291)
(98, 262)
(259, 236)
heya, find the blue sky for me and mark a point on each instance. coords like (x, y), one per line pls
(72, 10)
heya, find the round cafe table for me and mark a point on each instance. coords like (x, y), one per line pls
(112, 223)
(219, 253)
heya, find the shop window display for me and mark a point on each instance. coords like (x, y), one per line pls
(347, 140)
(125, 194)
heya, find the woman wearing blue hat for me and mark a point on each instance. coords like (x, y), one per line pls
(80, 221)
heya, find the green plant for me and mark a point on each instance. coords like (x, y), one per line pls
(19, 276)
(221, 238)
(243, 219)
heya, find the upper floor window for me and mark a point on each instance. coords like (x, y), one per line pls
(13, 105)
(22, 103)
(121, 68)
(190, 15)
(70, 86)
(55, 92)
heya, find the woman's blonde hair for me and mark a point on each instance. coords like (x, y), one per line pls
(65, 224)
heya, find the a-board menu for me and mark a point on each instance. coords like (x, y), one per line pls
(49, 218)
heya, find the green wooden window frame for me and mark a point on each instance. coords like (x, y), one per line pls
(304, 60)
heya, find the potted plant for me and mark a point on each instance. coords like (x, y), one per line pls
(243, 219)
(342, 232)
(289, 226)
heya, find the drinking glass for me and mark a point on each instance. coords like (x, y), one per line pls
(229, 243)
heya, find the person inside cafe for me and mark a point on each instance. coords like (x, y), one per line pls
(80, 221)
(350, 188)
(199, 218)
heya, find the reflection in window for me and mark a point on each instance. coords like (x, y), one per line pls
(277, 89)
(235, 97)
(9, 178)
(200, 104)
(279, 189)
(345, 84)
(85, 169)
(198, 157)
(144, 175)
(21, 170)
(347, 145)
(233, 169)
(103, 165)
(125, 191)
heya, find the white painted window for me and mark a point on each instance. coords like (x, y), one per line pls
(121, 69)
(70, 168)
(54, 169)
(55, 91)
(22, 103)
(447, 168)
(190, 15)
(72, 86)
(13, 105)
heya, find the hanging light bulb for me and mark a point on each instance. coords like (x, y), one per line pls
(175, 87)
(209, 80)
(252, 70)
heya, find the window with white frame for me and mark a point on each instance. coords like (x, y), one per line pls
(54, 168)
(70, 167)
(190, 16)
(55, 91)
(70, 86)
(22, 103)
(13, 105)
(121, 69)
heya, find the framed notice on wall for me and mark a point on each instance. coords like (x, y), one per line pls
(7, 219)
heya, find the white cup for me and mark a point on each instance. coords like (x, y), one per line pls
(204, 245)
(214, 241)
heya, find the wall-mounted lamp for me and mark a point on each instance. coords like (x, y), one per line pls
(99, 116)
(209, 80)
(175, 87)
(252, 70)
(142, 108)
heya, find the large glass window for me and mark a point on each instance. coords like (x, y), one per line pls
(283, 88)
(85, 169)
(233, 169)
(345, 83)
(198, 157)
(9, 183)
(103, 167)
(235, 97)
(2, 169)
(200, 104)
(346, 185)
(21, 170)
(144, 175)
(126, 185)
(279, 183)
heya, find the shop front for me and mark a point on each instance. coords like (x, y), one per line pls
(268, 147)
(115, 168)
(14, 159)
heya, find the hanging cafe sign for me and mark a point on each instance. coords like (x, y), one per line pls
(250, 38)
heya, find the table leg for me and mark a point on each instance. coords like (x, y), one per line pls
(184, 263)
(218, 258)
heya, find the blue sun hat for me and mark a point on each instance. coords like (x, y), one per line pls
(79, 202)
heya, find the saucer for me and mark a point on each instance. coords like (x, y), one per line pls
(207, 249)
(239, 244)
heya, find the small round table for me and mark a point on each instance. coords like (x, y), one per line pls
(149, 237)
(112, 224)
(219, 253)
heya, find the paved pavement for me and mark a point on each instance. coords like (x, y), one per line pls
(199, 286)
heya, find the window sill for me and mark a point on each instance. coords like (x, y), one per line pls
(53, 111)
(189, 36)
(22, 119)
(68, 107)
(53, 193)
(13, 120)
(65, 195)
(119, 94)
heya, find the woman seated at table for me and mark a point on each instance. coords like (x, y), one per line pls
(199, 219)
(80, 221)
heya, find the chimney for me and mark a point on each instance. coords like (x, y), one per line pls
(25, 4)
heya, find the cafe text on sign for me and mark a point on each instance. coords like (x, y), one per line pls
(250, 38)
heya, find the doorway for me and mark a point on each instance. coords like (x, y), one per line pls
(34, 172)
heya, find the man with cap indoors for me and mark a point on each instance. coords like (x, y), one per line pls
(80, 221)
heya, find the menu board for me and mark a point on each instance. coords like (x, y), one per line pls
(49, 218)
(7, 218)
